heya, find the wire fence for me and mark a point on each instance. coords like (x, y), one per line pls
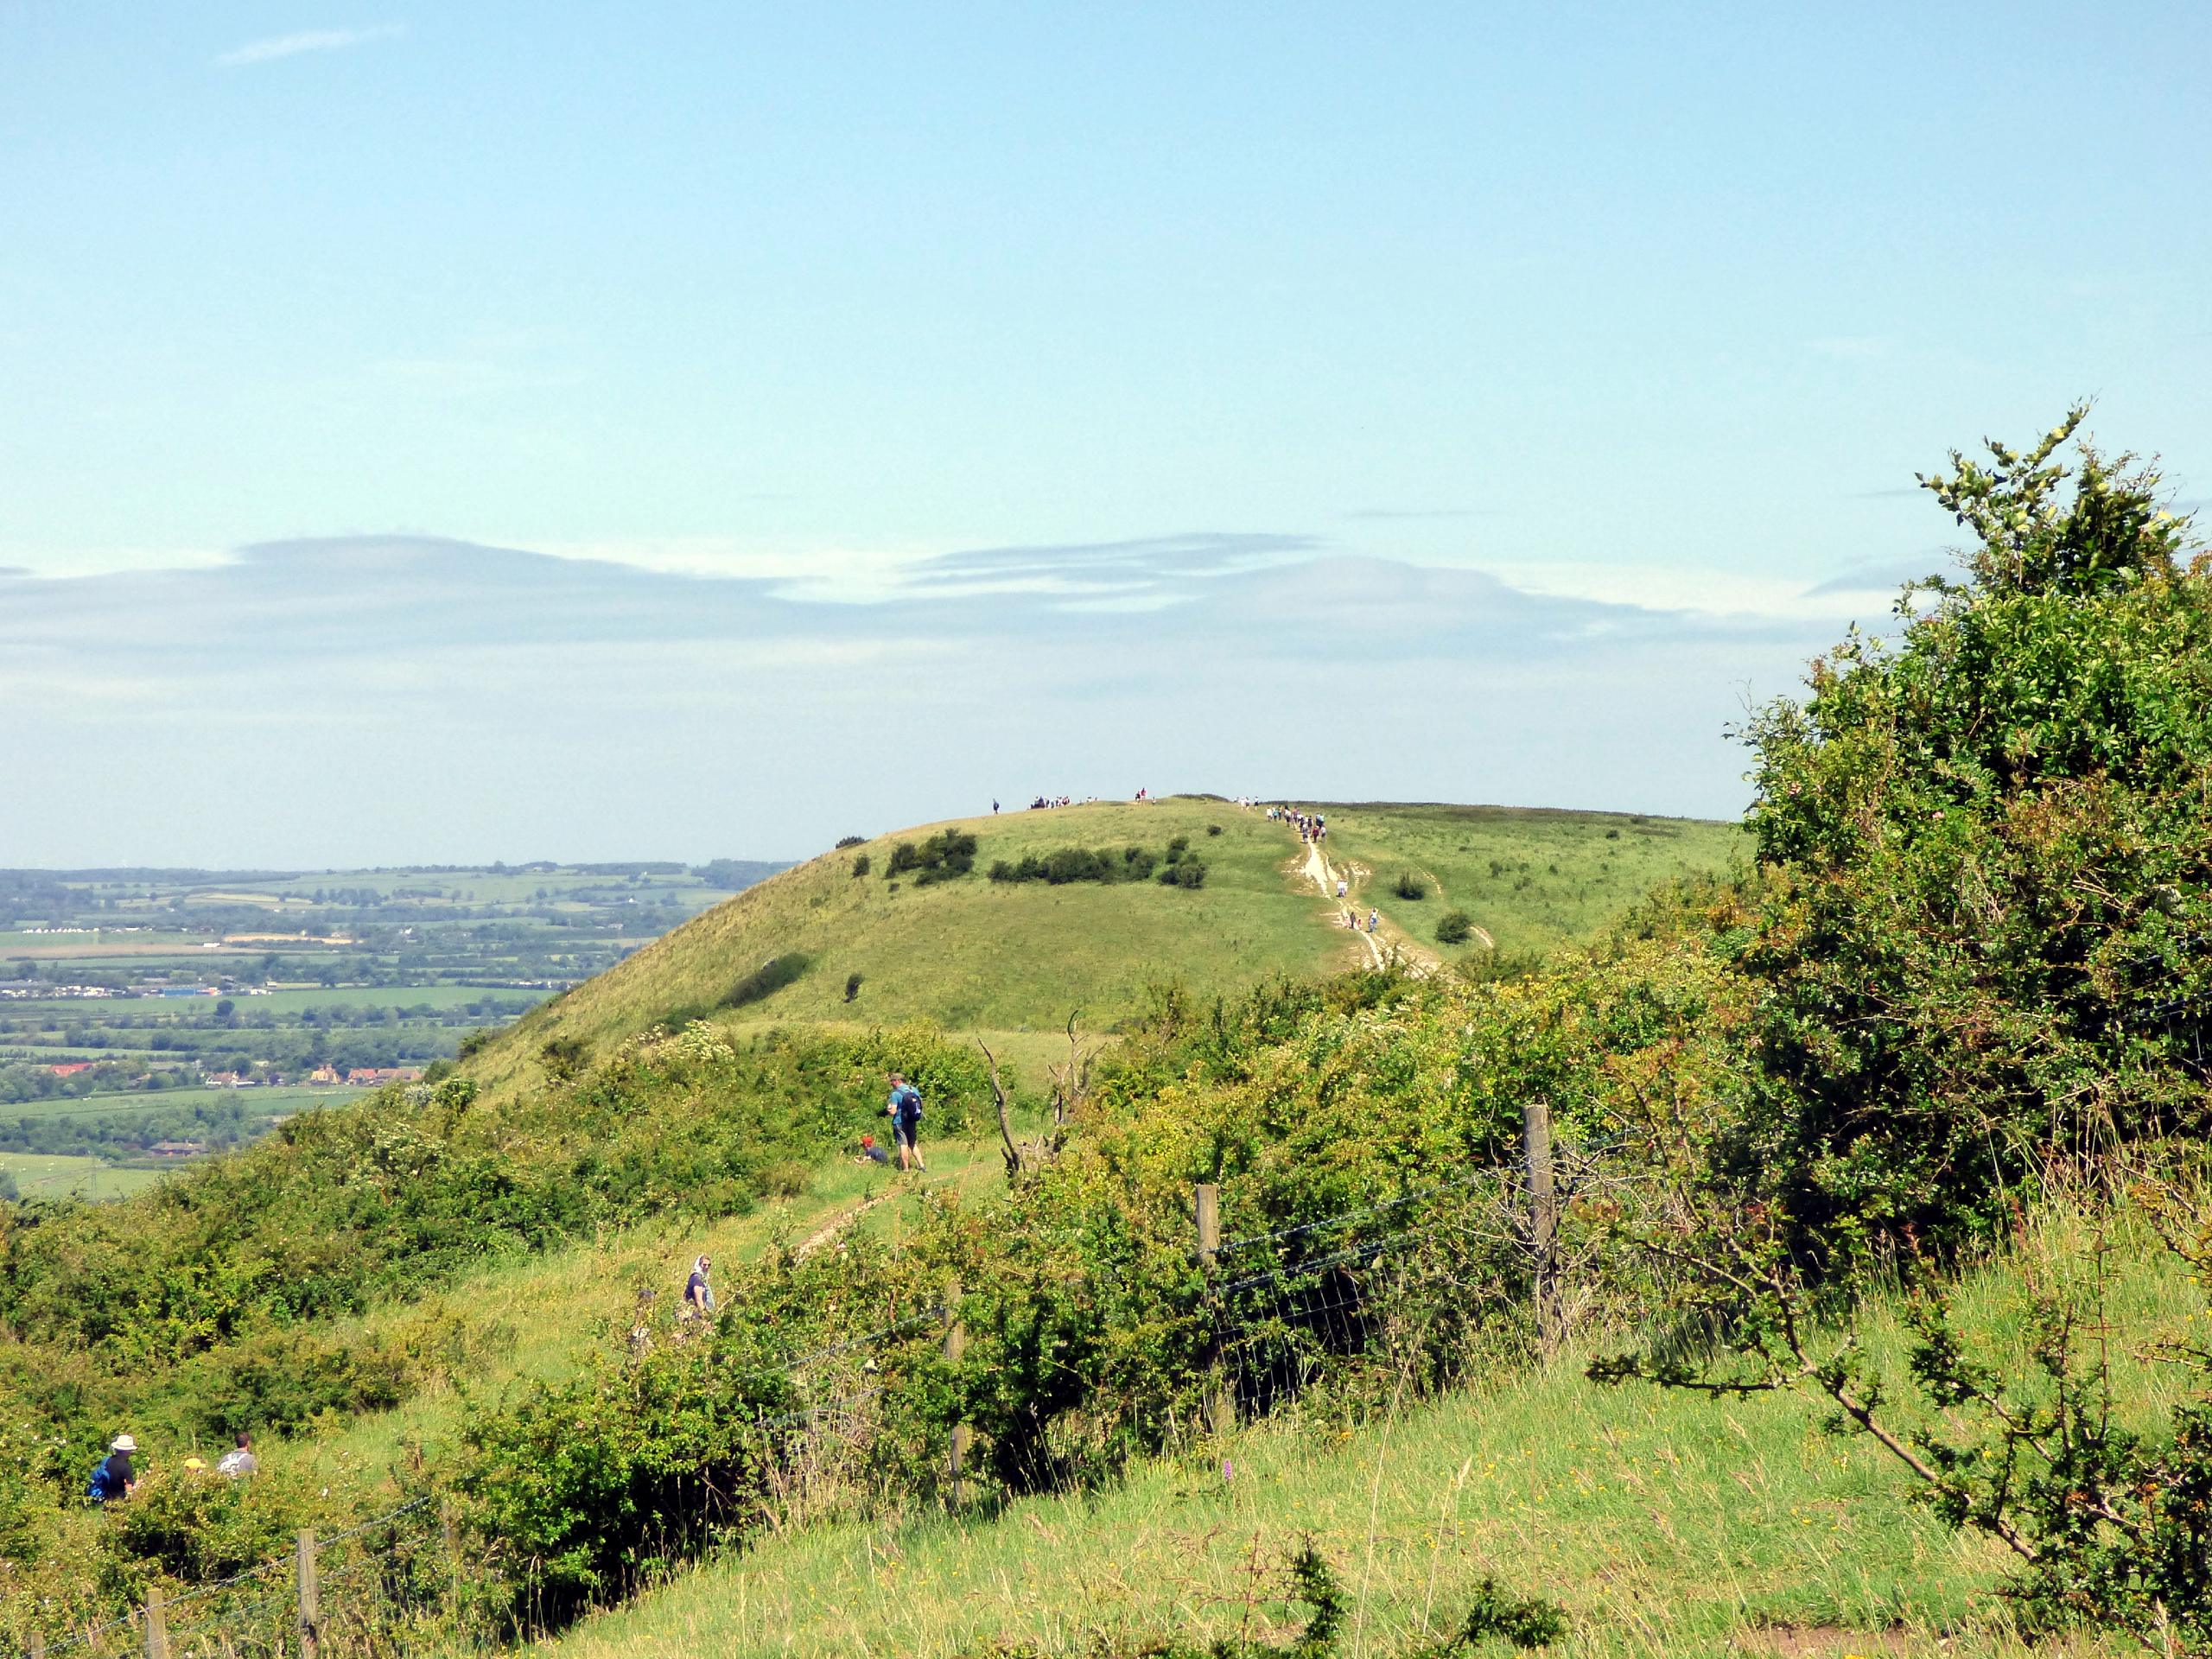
(1404, 1291)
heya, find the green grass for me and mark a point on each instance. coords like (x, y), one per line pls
(536, 1317)
(52, 1175)
(974, 955)
(1664, 1524)
(1531, 879)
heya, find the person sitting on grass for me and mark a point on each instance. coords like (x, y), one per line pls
(905, 1111)
(870, 1152)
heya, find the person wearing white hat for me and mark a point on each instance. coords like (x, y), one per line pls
(113, 1476)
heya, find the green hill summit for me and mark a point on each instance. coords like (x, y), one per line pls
(1040, 913)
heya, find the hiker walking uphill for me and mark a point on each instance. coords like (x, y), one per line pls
(903, 1109)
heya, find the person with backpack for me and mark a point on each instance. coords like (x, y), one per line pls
(904, 1111)
(113, 1476)
(240, 1462)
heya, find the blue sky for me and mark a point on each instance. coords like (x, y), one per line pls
(516, 431)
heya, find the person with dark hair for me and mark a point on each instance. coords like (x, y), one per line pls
(240, 1462)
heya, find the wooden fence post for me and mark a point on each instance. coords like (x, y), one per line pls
(1543, 1223)
(956, 1344)
(38, 1645)
(310, 1599)
(157, 1624)
(1220, 1403)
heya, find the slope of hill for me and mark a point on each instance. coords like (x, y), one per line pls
(974, 954)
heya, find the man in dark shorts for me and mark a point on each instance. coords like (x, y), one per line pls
(905, 1111)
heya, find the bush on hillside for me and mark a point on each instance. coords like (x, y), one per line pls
(1454, 927)
(1993, 852)
(860, 865)
(844, 842)
(563, 1057)
(1069, 864)
(852, 986)
(587, 1490)
(1185, 872)
(767, 979)
(1410, 886)
(944, 856)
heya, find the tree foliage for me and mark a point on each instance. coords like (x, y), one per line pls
(1985, 938)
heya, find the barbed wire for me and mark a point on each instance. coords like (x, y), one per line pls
(912, 1321)
(1345, 1218)
(358, 1528)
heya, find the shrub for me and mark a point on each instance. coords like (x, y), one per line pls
(589, 1489)
(944, 856)
(1177, 847)
(860, 865)
(1080, 864)
(1076, 864)
(1983, 938)
(1454, 927)
(767, 979)
(844, 842)
(851, 986)
(563, 1057)
(1185, 872)
(1612, 835)
(1213, 829)
(1408, 886)
(1497, 1614)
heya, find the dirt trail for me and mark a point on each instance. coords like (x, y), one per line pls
(1325, 880)
(837, 1226)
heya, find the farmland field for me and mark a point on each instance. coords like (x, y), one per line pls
(131, 999)
(44, 1176)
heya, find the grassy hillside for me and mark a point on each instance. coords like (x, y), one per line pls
(1662, 1523)
(971, 954)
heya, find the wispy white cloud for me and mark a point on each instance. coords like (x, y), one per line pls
(270, 49)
